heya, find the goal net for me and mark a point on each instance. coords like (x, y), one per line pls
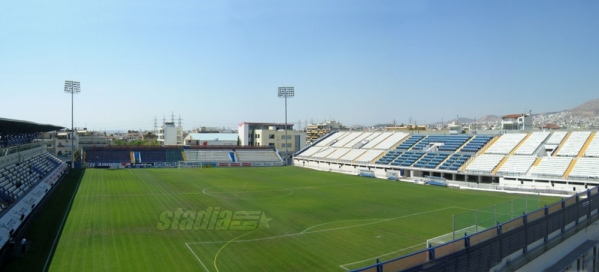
(446, 238)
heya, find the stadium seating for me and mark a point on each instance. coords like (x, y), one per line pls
(407, 158)
(516, 165)
(368, 156)
(407, 144)
(389, 157)
(351, 155)
(449, 142)
(337, 153)
(16, 179)
(323, 153)
(484, 163)
(556, 137)
(17, 139)
(160, 155)
(310, 151)
(593, 148)
(506, 143)
(209, 155)
(511, 153)
(431, 159)
(574, 144)
(455, 161)
(476, 143)
(359, 140)
(349, 137)
(331, 139)
(551, 166)
(532, 143)
(376, 138)
(107, 155)
(249, 155)
(586, 168)
(173, 155)
(390, 141)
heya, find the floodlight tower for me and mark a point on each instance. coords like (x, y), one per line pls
(286, 92)
(72, 87)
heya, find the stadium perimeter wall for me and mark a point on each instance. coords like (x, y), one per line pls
(181, 164)
(470, 180)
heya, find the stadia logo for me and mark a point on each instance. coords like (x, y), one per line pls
(213, 218)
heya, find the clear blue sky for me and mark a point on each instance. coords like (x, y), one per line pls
(219, 63)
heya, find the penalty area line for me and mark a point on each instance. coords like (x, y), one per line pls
(197, 258)
(305, 232)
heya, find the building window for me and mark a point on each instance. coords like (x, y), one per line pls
(257, 136)
(271, 136)
(271, 145)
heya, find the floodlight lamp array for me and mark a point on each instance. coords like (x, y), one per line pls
(72, 86)
(286, 92)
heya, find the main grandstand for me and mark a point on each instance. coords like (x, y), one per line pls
(174, 156)
(28, 173)
(554, 162)
(563, 162)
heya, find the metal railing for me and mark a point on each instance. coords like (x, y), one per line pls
(486, 249)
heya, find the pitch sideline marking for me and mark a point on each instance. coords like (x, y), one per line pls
(64, 219)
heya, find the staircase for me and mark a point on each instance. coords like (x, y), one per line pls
(534, 165)
(519, 144)
(586, 145)
(500, 164)
(561, 144)
(570, 167)
(489, 144)
(465, 144)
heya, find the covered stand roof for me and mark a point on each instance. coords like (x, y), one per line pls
(11, 126)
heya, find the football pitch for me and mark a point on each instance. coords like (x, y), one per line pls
(252, 219)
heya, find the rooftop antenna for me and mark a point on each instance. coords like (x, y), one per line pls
(155, 124)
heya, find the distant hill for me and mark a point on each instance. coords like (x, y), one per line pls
(586, 109)
(589, 107)
(489, 119)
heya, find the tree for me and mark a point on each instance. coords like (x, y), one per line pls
(77, 155)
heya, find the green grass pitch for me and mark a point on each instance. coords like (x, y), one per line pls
(251, 219)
